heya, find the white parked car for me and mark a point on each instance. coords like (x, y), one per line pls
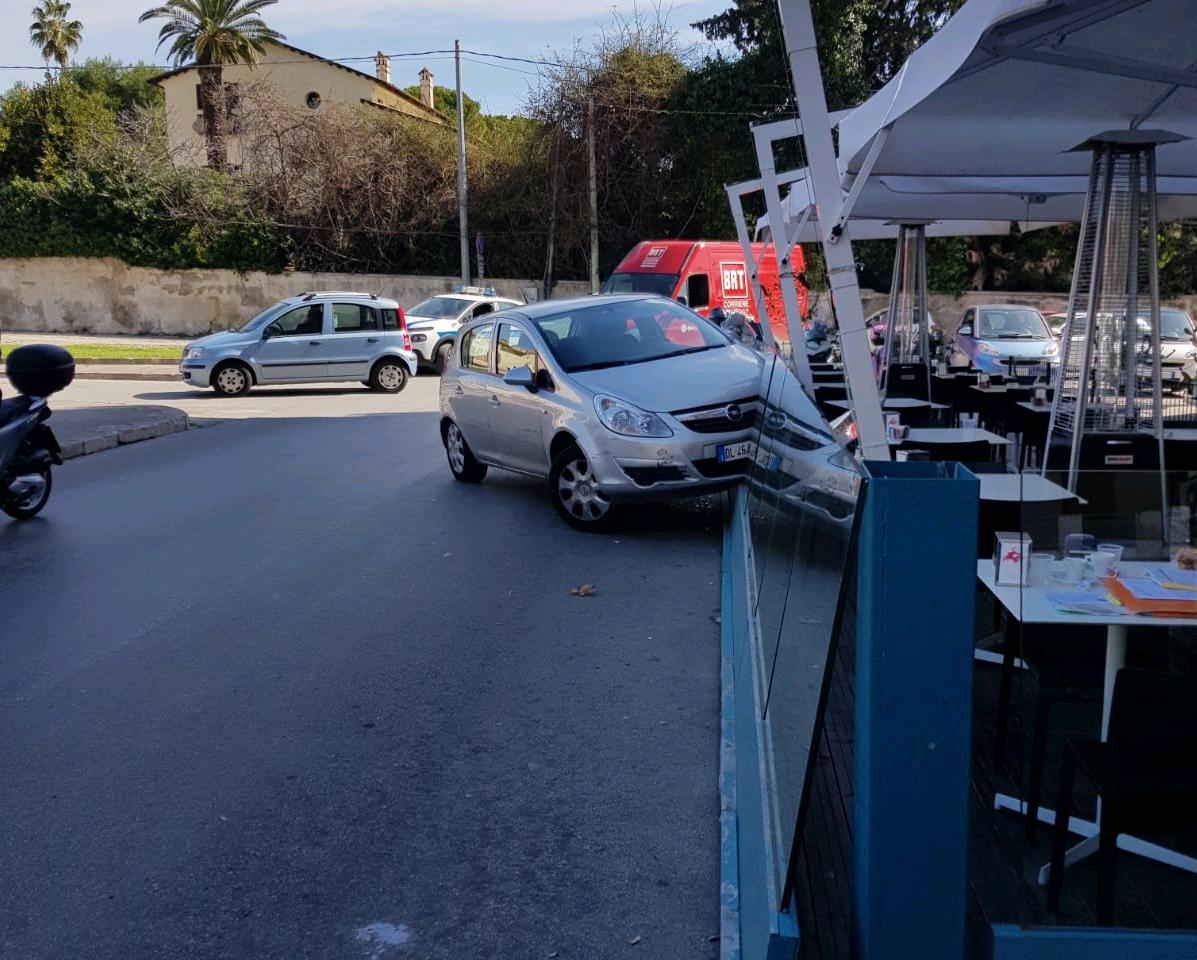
(434, 322)
(612, 399)
(313, 338)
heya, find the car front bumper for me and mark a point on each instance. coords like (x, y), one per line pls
(686, 464)
(986, 363)
(196, 373)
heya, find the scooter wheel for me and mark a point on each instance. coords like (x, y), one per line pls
(32, 504)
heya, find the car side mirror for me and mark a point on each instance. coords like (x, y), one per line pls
(272, 330)
(682, 301)
(521, 377)
(965, 331)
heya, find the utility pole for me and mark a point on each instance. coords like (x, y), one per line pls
(554, 152)
(463, 225)
(594, 245)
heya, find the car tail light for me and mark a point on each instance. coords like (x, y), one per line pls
(403, 327)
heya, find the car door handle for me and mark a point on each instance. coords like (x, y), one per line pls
(313, 343)
(372, 339)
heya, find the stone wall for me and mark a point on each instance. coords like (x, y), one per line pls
(100, 295)
(94, 295)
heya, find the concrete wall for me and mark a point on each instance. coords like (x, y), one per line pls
(100, 295)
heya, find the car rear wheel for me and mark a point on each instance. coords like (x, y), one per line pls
(462, 463)
(576, 493)
(232, 380)
(440, 359)
(388, 376)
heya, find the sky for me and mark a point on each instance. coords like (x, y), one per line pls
(359, 28)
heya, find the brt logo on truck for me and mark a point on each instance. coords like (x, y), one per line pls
(735, 280)
(653, 257)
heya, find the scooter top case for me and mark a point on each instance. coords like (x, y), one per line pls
(39, 369)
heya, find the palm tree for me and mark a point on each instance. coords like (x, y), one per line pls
(53, 34)
(213, 33)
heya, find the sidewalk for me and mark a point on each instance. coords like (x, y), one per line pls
(138, 370)
(92, 429)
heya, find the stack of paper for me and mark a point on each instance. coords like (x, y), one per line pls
(1173, 578)
(1144, 596)
(1093, 604)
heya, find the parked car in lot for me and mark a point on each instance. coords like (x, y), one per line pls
(605, 398)
(993, 335)
(434, 322)
(312, 338)
(1178, 342)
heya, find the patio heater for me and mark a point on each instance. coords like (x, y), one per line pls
(906, 352)
(1109, 386)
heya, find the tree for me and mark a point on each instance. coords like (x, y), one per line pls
(53, 34)
(213, 33)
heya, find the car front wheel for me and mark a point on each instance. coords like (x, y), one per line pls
(462, 462)
(576, 493)
(440, 359)
(232, 380)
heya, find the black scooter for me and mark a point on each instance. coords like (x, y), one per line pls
(28, 448)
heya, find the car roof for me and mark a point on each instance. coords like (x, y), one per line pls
(472, 297)
(549, 308)
(313, 296)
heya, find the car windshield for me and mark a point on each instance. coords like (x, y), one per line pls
(1174, 324)
(662, 284)
(262, 317)
(1012, 323)
(626, 332)
(439, 307)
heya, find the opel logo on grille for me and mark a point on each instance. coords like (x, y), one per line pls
(733, 412)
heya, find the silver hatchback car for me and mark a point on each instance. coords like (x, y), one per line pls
(313, 338)
(612, 399)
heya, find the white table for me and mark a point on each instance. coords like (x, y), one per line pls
(938, 435)
(1030, 605)
(895, 403)
(1027, 487)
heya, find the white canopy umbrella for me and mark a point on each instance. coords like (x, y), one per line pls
(1009, 88)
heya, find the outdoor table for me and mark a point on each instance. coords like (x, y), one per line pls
(952, 435)
(1030, 605)
(896, 403)
(1026, 487)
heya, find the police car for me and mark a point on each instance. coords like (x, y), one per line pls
(433, 323)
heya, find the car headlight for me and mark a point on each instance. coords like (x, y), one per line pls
(1050, 349)
(986, 350)
(419, 337)
(193, 353)
(627, 419)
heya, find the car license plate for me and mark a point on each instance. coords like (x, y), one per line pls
(744, 450)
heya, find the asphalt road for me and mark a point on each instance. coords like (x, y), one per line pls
(280, 688)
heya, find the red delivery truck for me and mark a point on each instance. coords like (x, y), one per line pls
(707, 274)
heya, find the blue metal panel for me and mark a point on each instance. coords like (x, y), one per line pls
(1011, 942)
(916, 571)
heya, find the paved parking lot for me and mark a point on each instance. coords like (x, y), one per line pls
(279, 687)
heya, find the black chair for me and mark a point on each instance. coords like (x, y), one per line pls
(1145, 774)
(907, 380)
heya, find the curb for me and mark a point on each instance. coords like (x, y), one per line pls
(113, 437)
(84, 374)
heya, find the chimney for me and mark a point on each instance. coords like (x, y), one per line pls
(382, 67)
(426, 96)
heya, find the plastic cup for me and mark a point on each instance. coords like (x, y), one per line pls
(1070, 570)
(1041, 569)
(1103, 564)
